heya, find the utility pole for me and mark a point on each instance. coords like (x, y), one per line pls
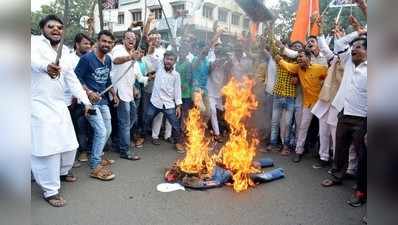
(101, 17)
(66, 12)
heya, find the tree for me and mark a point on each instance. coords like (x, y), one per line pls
(77, 9)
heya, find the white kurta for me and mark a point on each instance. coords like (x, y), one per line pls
(52, 128)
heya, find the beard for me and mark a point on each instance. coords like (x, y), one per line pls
(168, 67)
(105, 50)
(52, 41)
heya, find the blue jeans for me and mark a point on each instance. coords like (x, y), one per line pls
(126, 117)
(102, 127)
(281, 103)
(170, 114)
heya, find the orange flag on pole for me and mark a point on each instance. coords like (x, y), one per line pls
(301, 29)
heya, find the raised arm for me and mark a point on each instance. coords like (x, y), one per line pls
(291, 67)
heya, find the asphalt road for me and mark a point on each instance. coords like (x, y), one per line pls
(132, 198)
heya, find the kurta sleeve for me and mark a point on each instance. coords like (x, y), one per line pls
(324, 48)
(177, 90)
(75, 87)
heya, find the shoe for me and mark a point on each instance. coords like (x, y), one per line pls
(102, 173)
(285, 151)
(139, 143)
(83, 157)
(68, 178)
(155, 141)
(170, 140)
(331, 171)
(321, 164)
(296, 158)
(357, 199)
(130, 157)
(365, 220)
(180, 148)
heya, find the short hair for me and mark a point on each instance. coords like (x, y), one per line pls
(306, 52)
(363, 39)
(47, 18)
(79, 37)
(313, 37)
(154, 31)
(170, 53)
(128, 31)
(106, 33)
(297, 42)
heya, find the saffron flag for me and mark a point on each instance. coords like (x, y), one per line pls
(301, 29)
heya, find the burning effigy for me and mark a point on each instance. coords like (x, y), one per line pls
(234, 163)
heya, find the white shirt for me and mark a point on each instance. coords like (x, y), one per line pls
(159, 53)
(166, 88)
(52, 128)
(125, 86)
(216, 81)
(352, 94)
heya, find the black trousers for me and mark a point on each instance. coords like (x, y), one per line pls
(350, 129)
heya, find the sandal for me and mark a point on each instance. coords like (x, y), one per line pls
(68, 178)
(330, 183)
(107, 162)
(102, 173)
(55, 200)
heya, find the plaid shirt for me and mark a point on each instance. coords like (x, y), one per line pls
(283, 85)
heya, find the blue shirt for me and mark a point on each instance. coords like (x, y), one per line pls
(200, 74)
(94, 74)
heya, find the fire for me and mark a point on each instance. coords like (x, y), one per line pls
(197, 159)
(238, 153)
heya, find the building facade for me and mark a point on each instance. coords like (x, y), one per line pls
(200, 13)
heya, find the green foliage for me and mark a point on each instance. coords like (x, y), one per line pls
(77, 9)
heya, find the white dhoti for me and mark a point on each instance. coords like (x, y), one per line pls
(48, 169)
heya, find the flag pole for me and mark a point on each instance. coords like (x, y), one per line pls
(309, 21)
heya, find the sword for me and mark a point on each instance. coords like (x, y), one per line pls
(59, 51)
(120, 78)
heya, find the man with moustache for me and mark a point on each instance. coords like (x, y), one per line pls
(54, 141)
(93, 70)
(124, 57)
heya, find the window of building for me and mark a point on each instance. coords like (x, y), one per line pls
(157, 12)
(222, 15)
(120, 18)
(177, 8)
(137, 15)
(246, 23)
(207, 12)
(235, 19)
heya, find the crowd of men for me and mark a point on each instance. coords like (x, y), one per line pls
(111, 94)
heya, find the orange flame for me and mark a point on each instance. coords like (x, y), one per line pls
(197, 159)
(237, 154)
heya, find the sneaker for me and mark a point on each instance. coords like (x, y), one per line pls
(155, 141)
(139, 143)
(296, 158)
(331, 171)
(83, 157)
(102, 173)
(357, 199)
(321, 164)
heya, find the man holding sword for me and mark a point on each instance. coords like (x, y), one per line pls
(124, 73)
(93, 71)
(54, 141)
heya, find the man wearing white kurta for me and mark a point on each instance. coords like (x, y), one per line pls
(54, 141)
